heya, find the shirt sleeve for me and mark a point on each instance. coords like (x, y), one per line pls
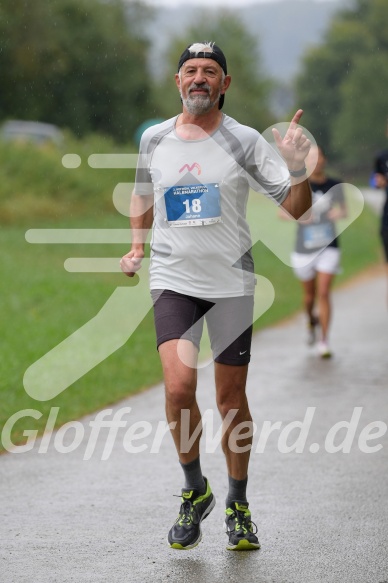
(266, 170)
(143, 180)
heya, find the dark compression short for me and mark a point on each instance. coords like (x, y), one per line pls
(229, 323)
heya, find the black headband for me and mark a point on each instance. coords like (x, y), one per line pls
(214, 53)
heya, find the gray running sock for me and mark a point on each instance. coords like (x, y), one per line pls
(193, 476)
(237, 490)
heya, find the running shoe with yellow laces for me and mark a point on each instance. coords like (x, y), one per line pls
(240, 528)
(186, 532)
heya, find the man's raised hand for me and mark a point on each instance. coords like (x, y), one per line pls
(295, 145)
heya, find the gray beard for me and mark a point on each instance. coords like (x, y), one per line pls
(199, 104)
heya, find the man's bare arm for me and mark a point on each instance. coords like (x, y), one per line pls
(298, 201)
(142, 216)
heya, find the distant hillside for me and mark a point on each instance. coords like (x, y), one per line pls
(285, 29)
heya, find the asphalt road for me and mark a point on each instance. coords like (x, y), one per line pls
(322, 514)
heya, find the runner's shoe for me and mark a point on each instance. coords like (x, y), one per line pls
(240, 528)
(312, 330)
(186, 532)
(324, 350)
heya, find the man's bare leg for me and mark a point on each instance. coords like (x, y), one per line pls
(180, 389)
(230, 391)
(231, 395)
(180, 386)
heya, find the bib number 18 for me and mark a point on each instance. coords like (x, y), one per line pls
(195, 205)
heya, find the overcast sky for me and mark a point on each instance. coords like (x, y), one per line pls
(211, 3)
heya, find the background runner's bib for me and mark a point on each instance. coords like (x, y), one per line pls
(193, 205)
(321, 233)
(315, 236)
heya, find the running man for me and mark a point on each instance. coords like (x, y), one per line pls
(192, 184)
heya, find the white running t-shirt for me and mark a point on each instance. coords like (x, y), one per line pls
(201, 243)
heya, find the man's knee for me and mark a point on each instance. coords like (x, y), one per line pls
(231, 400)
(180, 395)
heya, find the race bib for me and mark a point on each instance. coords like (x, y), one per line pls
(316, 236)
(193, 205)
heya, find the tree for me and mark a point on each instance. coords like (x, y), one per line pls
(360, 127)
(248, 96)
(342, 87)
(75, 63)
(325, 69)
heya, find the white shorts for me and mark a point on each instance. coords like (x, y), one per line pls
(307, 265)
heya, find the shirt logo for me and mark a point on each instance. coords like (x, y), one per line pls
(191, 168)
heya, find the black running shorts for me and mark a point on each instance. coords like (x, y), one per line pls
(229, 323)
